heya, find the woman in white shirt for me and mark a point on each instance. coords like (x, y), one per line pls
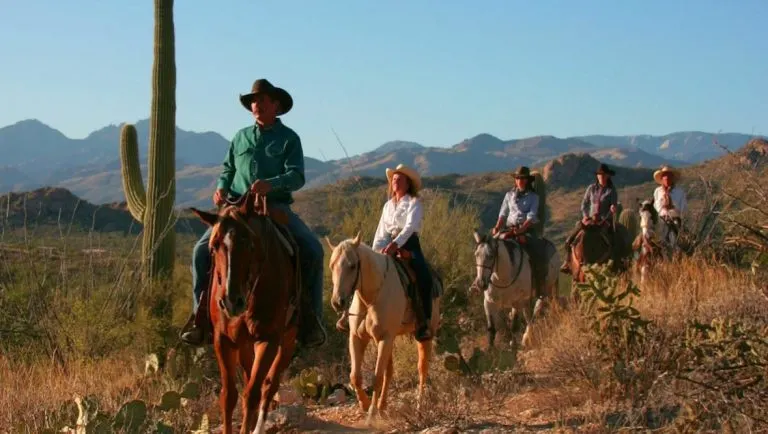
(399, 225)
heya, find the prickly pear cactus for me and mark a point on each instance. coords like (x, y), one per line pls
(153, 207)
(311, 384)
(130, 417)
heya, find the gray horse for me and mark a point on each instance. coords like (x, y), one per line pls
(505, 279)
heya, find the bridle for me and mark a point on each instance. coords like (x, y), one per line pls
(357, 284)
(254, 241)
(494, 245)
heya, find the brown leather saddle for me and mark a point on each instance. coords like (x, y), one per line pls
(407, 274)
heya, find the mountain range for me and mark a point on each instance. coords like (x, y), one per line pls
(36, 155)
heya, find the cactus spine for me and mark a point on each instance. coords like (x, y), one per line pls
(154, 207)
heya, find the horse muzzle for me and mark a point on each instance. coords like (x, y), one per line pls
(478, 285)
(339, 304)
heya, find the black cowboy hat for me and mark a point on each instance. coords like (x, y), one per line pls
(262, 85)
(603, 168)
(523, 172)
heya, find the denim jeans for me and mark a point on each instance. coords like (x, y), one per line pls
(311, 262)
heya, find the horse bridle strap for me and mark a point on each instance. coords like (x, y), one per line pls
(358, 279)
(495, 261)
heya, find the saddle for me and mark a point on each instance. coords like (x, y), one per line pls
(540, 250)
(280, 218)
(407, 274)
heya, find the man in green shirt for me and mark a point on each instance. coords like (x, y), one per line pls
(267, 158)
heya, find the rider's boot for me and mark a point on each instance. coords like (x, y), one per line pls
(566, 266)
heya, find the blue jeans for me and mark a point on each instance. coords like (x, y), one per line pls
(311, 261)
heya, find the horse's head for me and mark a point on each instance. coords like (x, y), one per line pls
(346, 269)
(485, 260)
(236, 245)
(648, 218)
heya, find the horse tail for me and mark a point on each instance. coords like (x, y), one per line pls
(540, 188)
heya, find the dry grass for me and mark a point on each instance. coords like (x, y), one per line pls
(679, 293)
(39, 396)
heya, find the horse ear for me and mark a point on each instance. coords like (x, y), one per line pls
(208, 218)
(356, 240)
(478, 237)
(330, 244)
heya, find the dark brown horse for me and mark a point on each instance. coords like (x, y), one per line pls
(599, 243)
(253, 305)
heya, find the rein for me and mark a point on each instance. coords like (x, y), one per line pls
(232, 212)
(359, 279)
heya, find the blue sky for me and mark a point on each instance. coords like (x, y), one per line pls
(429, 71)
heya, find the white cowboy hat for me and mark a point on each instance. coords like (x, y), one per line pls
(407, 171)
(666, 169)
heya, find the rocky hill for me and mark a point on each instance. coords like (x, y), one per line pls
(322, 207)
(58, 208)
(37, 155)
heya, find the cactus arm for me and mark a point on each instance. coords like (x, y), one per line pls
(133, 185)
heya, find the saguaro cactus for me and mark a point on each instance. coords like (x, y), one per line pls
(154, 207)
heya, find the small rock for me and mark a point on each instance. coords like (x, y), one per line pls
(287, 396)
(289, 416)
(337, 397)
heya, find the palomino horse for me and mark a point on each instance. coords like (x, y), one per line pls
(253, 305)
(368, 284)
(507, 283)
(657, 239)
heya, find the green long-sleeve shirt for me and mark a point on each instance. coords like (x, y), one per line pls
(272, 154)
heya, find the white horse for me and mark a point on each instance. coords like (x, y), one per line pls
(657, 238)
(367, 283)
(507, 284)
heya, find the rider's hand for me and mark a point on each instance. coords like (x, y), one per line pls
(495, 230)
(218, 197)
(390, 249)
(261, 187)
(586, 221)
(613, 209)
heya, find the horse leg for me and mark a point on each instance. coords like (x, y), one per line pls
(490, 318)
(385, 385)
(357, 347)
(272, 382)
(526, 339)
(425, 352)
(265, 353)
(228, 395)
(384, 353)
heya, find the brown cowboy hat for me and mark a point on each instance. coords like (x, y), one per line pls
(668, 170)
(523, 172)
(603, 168)
(412, 174)
(262, 85)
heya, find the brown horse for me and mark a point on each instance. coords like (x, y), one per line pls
(253, 305)
(602, 242)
